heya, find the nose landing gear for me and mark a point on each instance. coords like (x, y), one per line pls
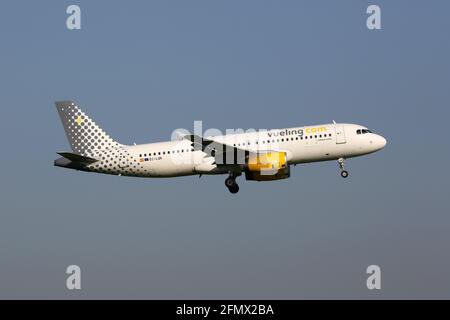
(344, 173)
(231, 184)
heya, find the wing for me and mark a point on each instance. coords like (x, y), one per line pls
(224, 154)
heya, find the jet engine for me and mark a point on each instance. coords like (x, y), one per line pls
(266, 166)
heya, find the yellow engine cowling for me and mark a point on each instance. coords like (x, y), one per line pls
(266, 166)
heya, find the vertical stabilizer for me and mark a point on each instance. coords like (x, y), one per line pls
(83, 133)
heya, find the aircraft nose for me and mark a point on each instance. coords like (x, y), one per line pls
(382, 142)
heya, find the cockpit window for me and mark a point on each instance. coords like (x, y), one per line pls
(363, 131)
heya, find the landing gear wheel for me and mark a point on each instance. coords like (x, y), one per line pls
(230, 182)
(234, 189)
(344, 174)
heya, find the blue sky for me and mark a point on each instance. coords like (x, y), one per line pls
(144, 68)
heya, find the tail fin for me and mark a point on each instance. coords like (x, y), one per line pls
(84, 135)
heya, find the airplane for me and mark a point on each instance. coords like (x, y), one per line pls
(261, 155)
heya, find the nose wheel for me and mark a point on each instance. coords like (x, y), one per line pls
(344, 173)
(231, 184)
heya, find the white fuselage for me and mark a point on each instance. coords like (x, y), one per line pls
(301, 144)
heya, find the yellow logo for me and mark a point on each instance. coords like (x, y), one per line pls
(315, 130)
(79, 120)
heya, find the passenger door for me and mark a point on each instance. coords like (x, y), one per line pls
(340, 134)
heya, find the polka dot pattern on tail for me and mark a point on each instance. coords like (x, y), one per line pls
(84, 135)
(86, 138)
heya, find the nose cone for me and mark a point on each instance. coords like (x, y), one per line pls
(381, 142)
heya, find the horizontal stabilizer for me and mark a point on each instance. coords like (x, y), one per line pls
(78, 158)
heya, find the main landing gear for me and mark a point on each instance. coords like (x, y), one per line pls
(231, 184)
(344, 173)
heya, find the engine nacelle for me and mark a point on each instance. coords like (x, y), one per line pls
(266, 166)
